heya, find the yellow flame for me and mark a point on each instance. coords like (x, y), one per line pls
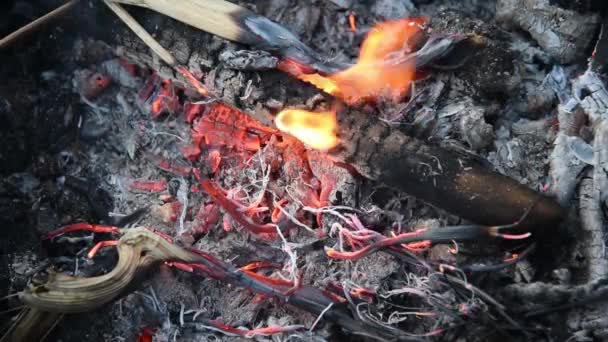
(374, 75)
(315, 129)
(379, 72)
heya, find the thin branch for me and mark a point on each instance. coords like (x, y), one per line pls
(36, 24)
(141, 32)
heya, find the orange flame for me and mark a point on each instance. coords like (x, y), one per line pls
(377, 73)
(317, 130)
(381, 71)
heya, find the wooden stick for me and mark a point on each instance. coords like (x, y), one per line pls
(213, 16)
(34, 325)
(141, 32)
(155, 46)
(11, 38)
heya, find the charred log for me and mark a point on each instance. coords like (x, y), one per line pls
(452, 181)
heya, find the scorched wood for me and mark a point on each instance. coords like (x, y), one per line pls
(457, 183)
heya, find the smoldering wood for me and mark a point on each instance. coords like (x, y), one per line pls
(452, 181)
(233, 22)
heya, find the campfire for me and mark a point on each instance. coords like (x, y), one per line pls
(378, 170)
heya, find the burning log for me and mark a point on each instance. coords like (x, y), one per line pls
(452, 181)
(389, 64)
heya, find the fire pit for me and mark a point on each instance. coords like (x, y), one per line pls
(377, 170)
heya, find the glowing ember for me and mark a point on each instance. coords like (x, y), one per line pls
(381, 70)
(352, 22)
(317, 130)
(200, 88)
(221, 124)
(165, 101)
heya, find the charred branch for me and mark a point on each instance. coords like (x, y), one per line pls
(235, 23)
(140, 248)
(543, 298)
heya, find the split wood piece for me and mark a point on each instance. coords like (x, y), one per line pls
(593, 225)
(34, 25)
(140, 248)
(591, 247)
(457, 183)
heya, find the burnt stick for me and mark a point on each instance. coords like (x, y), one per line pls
(455, 182)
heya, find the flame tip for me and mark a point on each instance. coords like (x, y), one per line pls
(314, 129)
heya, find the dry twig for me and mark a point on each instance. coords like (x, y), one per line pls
(36, 24)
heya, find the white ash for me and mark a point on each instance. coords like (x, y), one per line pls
(392, 9)
(120, 74)
(182, 197)
(565, 169)
(469, 119)
(564, 34)
(590, 92)
(342, 4)
(248, 60)
(558, 80)
(474, 129)
(581, 150)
